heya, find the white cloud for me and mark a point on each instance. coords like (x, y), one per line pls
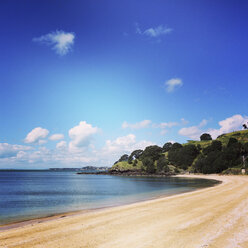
(230, 124)
(138, 125)
(203, 123)
(157, 31)
(57, 136)
(165, 125)
(193, 132)
(61, 145)
(153, 32)
(81, 135)
(113, 149)
(148, 124)
(173, 84)
(168, 124)
(60, 41)
(42, 142)
(124, 144)
(8, 150)
(36, 134)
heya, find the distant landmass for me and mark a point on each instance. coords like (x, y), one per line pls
(86, 168)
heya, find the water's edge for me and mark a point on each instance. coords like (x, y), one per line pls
(49, 217)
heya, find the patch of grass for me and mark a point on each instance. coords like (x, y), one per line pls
(241, 136)
(203, 143)
(124, 165)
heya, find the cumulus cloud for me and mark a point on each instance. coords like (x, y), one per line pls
(157, 31)
(57, 136)
(203, 123)
(153, 32)
(148, 124)
(164, 126)
(193, 132)
(138, 125)
(36, 134)
(113, 149)
(42, 142)
(61, 145)
(168, 124)
(81, 135)
(60, 41)
(124, 144)
(8, 150)
(227, 125)
(230, 124)
(173, 84)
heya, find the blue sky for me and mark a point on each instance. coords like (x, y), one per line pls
(108, 77)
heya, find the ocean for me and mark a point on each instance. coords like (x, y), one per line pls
(26, 195)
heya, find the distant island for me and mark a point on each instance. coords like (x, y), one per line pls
(83, 169)
(228, 154)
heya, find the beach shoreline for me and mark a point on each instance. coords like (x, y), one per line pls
(50, 217)
(191, 215)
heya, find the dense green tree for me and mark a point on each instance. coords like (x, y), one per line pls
(221, 135)
(200, 163)
(184, 156)
(173, 154)
(166, 147)
(137, 153)
(134, 155)
(176, 146)
(123, 158)
(231, 142)
(153, 152)
(220, 163)
(205, 136)
(129, 160)
(148, 164)
(135, 162)
(245, 149)
(162, 165)
(233, 152)
(216, 145)
(199, 148)
(214, 162)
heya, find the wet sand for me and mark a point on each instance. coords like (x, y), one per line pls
(210, 217)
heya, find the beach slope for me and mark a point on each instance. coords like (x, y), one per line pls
(211, 217)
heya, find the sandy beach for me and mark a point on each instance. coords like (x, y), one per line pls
(211, 217)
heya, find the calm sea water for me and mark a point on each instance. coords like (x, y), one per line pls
(29, 194)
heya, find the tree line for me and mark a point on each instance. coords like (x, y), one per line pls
(213, 158)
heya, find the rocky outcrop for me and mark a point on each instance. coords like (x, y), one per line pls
(117, 172)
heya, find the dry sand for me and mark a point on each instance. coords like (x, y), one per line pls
(211, 217)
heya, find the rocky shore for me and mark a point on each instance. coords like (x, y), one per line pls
(117, 172)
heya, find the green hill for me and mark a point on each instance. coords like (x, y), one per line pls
(241, 136)
(227, 153)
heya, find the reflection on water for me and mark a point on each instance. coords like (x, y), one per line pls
(29, 194)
